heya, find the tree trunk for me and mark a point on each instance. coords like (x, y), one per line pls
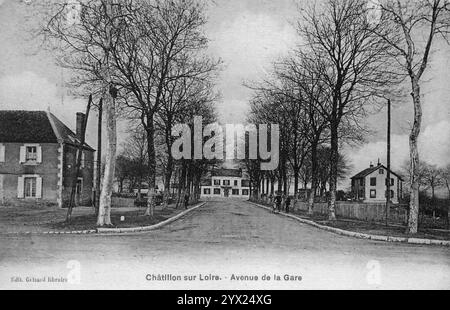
(104, 213)
(312, 194)
(181, 184)
(334, 170)
(168, 178)
(150, 128)
(413, 224)
(272, 186)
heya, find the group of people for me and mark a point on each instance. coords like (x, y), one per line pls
(282, 200)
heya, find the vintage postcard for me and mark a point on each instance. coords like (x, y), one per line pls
(224, 145)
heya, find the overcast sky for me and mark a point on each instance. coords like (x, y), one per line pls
(247, 35)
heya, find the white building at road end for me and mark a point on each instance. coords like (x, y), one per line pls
(227, 184)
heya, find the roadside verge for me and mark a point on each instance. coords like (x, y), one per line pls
(148, 228)
(359, 235)
(106, 231)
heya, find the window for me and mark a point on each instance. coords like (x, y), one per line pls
(207, 191)
(31, 154)
(217, 182)
(235, 192)
(245, 192)
(2, 153)
(217, 191)
(235, 183)
(30, 186)
(373, 193)
(373, 181)
(381, 171)
(226, 182)
(361, 182)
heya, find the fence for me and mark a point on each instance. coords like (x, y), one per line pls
(370, 212)
(118, 202)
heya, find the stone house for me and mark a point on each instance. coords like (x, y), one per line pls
(38, 159)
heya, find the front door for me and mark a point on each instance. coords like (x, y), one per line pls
(227, 192)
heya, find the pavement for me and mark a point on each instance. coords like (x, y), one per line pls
(223, 245)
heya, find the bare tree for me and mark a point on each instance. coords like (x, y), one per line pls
(83, 43)
(432, 176)
(163, 35)
(184, 97)
(412, 29)
(356, 65)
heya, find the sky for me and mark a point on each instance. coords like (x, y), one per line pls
(248, 35)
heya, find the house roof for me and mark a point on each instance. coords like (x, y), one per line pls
(35, 127)
(233, 173)
(369, 171)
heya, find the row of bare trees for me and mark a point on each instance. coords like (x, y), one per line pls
(352, 58)
(148, 61)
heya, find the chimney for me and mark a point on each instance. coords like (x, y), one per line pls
(379, 163)
(80, 123)
(371, 165)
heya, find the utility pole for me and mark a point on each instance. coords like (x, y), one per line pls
(79, 158)
(388, 181)
(99, 156)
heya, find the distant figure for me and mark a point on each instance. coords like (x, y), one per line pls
(186, 200)
(278, 201)
(288, 203)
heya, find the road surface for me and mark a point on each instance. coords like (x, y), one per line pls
(223, 245)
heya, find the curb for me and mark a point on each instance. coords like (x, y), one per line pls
(360, 235)
(107, 231)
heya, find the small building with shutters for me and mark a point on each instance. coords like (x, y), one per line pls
(370, 185)
(38, 160)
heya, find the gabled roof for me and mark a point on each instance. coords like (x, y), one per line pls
(35, 127)
(371, 170)
(26, 127)
(64, 134)
(233, 173)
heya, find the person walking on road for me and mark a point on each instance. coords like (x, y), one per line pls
(278, 201)
(287, 203)
(186, 200)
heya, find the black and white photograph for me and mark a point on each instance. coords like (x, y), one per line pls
(245, 145)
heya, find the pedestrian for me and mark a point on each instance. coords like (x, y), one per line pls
(186, 200)
(288, 203)
(278, 200)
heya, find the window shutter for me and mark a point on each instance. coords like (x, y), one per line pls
(39, 154)
(22, 154)
(20, 187)
(2, 153)
(38, 188)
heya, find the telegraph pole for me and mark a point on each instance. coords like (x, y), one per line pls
(388, 181)
(78, 159)
(99, 155)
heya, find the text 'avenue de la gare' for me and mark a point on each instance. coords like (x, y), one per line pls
(212, 277)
